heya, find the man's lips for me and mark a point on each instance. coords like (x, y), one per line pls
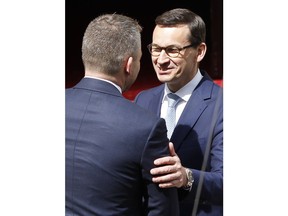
(164, 71)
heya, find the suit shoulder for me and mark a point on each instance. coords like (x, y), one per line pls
(134, 109)
(210, 89)
(145, 96)
(151, 91)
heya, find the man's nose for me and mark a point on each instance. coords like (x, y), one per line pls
(163, 57)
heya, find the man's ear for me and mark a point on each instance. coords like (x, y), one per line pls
(201, 51)
(128, 65)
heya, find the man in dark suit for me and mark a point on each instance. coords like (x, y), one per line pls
(111, 143)
(196, 162)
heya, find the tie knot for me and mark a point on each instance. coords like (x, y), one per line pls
(173, 99)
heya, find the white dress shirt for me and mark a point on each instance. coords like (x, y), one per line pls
(185, 93)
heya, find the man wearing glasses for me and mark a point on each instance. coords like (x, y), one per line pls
(195, 166)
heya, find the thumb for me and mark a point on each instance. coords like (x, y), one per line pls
(172, 150)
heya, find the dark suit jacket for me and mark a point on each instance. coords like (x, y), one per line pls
(110, 147)
(198, 141)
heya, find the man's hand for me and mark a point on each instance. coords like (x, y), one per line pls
(169, 171)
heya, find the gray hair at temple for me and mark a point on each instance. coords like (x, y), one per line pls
(108, 41)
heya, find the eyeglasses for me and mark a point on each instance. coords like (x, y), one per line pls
(172, 51)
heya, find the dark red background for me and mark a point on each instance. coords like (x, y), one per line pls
(78, 14)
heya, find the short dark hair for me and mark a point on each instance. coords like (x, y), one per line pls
(182, 16)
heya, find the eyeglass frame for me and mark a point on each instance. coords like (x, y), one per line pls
(149, 46)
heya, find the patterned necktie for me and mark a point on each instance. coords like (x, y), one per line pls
(173, 99)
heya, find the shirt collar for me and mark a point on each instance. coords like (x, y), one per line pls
(186, 91)
(118, 87)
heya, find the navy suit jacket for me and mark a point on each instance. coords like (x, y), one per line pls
(111, 144)
(198, 141)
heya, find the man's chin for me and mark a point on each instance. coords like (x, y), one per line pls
(164, 78)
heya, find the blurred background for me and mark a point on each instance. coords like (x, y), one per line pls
(78, 14)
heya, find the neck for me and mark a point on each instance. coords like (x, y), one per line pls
(115, 79)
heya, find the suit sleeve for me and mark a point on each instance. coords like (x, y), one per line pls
(211, 180)
(158, 201)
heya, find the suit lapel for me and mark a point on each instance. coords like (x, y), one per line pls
(192, 111)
